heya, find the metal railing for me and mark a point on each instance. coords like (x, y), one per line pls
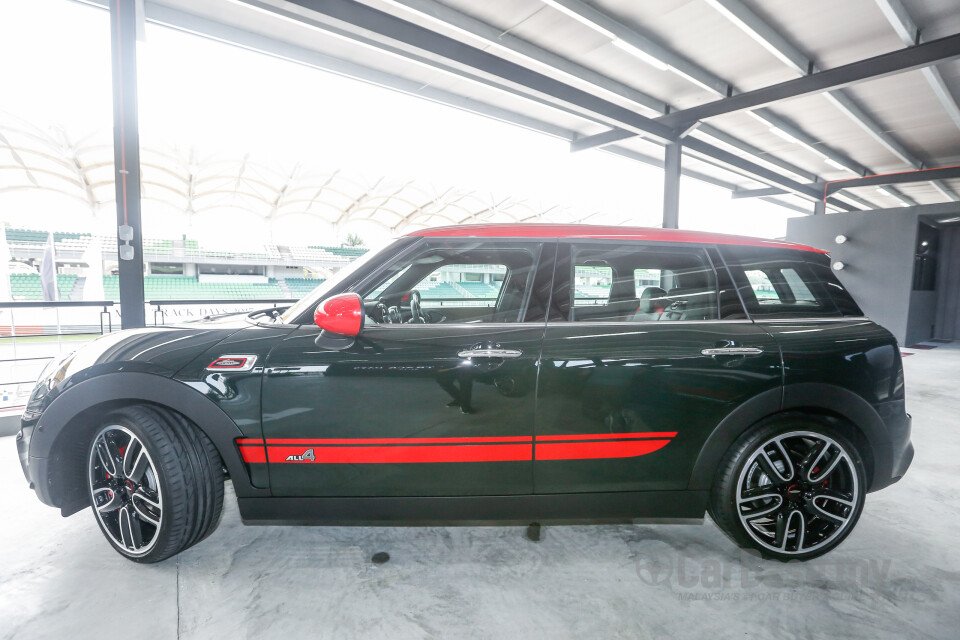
(34, 329)
(243, 302)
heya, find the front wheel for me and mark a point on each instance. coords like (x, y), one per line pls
(792, 488)
(155, 482)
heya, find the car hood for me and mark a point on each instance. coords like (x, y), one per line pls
(158, 350)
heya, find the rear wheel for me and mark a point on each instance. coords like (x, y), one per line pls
(793, 488)
(155, 481)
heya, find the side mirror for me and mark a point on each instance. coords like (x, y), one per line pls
(342, 315)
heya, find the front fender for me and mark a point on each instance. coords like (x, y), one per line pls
(45, 438)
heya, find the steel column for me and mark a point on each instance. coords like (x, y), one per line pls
(126, 157)
(671, 185)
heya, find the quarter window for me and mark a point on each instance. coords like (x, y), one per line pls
(781, 283)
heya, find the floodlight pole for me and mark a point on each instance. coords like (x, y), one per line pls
(671, 185)
(126, 160)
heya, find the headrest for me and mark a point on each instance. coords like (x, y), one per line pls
(653, 300)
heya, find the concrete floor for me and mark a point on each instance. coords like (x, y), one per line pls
(896, 576)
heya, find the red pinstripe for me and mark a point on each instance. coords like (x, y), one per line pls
(581, 446)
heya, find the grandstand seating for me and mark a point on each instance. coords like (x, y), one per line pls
(300, 287)
(187, 287)
(174, 287)
(481, 289)
(78, 242)
(592, 292)
(434, 290)
(178, 287)
(347, 252)
(26, 286)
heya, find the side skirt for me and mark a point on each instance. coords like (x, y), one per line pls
(473, 510)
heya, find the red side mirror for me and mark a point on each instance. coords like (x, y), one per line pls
(342, 314)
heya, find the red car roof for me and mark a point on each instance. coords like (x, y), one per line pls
(601, 232)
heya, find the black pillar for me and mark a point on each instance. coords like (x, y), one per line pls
(126, 160)
(819, 207)
(671, 185)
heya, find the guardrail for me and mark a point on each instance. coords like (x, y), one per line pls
(247, 302)
(35, 329)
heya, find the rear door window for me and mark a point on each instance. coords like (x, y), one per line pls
(613, 282)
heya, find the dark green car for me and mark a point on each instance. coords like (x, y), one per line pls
(508, 373)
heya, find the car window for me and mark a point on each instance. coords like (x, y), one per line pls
(786, 283)
(467, 281)
(466, 285)
(640, 283)
(791, 290)
(762, 287)
(591, 285)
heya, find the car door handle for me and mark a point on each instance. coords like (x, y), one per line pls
(490, 353)
(731, 351)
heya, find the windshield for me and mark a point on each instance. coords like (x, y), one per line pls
(313, 298)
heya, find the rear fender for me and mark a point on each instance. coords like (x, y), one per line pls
(868, 427)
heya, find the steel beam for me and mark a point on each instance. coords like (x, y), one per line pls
(362, 22)
(765, 35)
(672, 157)
(219, 31)
(600, 139)
(758, 29)
(757, 193)
(940, 173)
(887, 64)
(352, 20)
(126, 153)
(448, 16)
(496, 37)
(667, 58)
(896, 14)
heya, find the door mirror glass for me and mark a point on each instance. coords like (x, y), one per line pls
(342, 315)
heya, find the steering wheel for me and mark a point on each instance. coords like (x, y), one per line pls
(416, 311)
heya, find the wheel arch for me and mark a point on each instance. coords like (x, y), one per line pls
(66, 425)
(847, 412)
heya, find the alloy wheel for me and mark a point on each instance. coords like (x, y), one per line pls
(125, 490)
(797, 492)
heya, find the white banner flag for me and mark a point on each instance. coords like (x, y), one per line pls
(5, 293)
(93, 285)
(48, 272)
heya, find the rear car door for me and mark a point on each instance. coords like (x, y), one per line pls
(647, 349)
(439, 407)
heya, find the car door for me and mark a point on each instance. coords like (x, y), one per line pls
(442, 407)
(647, 349)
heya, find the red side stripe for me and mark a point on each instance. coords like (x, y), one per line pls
(608, 436)
(243, 441)
(591, 450)
(397, 454)
(322, 442)
(253, 453)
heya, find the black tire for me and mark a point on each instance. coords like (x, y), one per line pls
(181, 472)
(820, 505)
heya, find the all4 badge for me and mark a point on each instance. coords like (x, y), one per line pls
(305, 456)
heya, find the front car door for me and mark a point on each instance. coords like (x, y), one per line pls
(642, 358)
(433, 398)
